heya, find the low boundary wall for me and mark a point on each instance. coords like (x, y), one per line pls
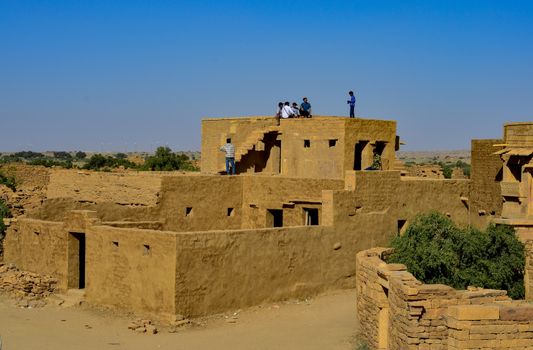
(396, 311)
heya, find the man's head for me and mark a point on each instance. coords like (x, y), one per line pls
(287, 103)
(228, 140)
(294, 104)
(280, 104)
(350, 93)
(305, 99)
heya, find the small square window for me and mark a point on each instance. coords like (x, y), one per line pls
(188, 211)
(307, 143)
(231, 211)
(146, 249)
(332, 142)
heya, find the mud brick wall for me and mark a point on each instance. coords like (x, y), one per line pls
(396, 311)
(485, 199)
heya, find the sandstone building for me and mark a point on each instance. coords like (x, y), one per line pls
(288, 225)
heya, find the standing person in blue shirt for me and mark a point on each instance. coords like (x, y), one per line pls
(305, 108)
(229, 148)
(351, 102)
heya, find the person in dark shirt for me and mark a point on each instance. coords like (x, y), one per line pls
(351, 102)
(305, 108)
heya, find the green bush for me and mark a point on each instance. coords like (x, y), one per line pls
(435, 250)
(50, 162)
(8, 181)
(100, 162)
(165, 160)
(4, 213)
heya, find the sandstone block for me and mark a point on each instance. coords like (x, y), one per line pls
(474, 312)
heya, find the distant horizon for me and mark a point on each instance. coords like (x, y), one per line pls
(134, 75)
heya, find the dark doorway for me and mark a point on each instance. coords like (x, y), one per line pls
(311, 216)
(274, 218)
(358, 157)
(76, 260)
(380, 147)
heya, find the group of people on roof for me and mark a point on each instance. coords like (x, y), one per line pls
(285, 110)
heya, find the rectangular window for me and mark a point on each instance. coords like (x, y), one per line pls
(307, 143)
(231, 211)
(115, 246)
(311, 216)
(274, 218)
(188, 211)
(146, 249)
(333, 143)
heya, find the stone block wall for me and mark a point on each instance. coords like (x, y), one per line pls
(396, 311)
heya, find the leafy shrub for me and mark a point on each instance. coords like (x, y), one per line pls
(28, 155)
(100, 162)
(62, 155)
(165, 160)
(435, 250)
(50, 162)
(8, 181)
(4, 213)
(80, 155)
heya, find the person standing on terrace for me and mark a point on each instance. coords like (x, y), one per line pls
(305, 108)
(351, 102)
(229, 148)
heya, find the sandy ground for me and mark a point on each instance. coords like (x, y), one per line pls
(325, 322)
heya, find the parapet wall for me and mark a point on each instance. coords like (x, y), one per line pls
(396, 311)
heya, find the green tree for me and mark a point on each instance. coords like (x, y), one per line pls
(80, 155)
(165, 160)
(435, 250)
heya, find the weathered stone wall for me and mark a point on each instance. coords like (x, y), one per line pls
(371, 130)
(490, 326)
(209, 199)
(222, 270)
(131, 269)
(485, 199)
(292, 195)
(396, 311)
(316, 159)
(215, 132)
(38, 246)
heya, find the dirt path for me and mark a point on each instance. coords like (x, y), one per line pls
(326, 322)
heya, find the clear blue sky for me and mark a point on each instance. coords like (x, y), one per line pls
(112, 75)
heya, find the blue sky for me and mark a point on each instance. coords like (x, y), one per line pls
(132, 75)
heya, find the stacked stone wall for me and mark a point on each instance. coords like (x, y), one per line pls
(396, 311)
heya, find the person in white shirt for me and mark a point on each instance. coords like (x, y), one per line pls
(229, 148)
(286, 111)
(295, 110)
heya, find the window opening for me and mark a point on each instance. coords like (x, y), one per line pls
(146, 249)
(307, 143)
(188, 211)
(333, 143)
(275, 218)
(311, 216)
(231, 211)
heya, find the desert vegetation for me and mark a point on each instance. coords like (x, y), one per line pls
(164, 159)
(435, 250)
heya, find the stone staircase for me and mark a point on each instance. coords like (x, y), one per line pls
(253, 142)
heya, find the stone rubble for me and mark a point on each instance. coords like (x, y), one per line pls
(143, 326)
(30, 289)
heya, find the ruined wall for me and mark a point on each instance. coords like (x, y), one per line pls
(485, 199)
(96, 187)
(221, 270)
(371, 130)
(394, 200)
(396, 311)
(131, 269)
(38, 246)
(291, 195)
(518, 134)
(215, 132)
(306, 150)
(115, 196)
(199, 203)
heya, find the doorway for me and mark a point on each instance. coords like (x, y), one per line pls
(76, 260)
(358, 155)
